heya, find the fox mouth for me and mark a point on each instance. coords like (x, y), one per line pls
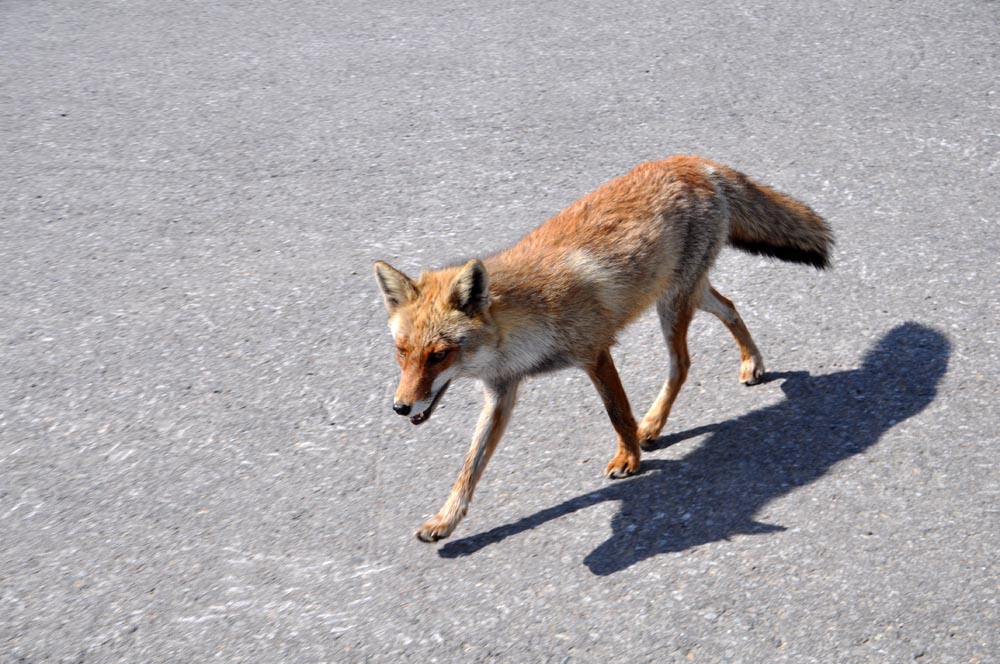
(420, 418)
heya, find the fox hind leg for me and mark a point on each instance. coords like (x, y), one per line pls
(752, 364)
(675, 312)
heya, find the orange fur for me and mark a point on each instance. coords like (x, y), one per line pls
(559, 297)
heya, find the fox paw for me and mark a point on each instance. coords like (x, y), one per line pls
(751, 371)
(647, 438)
(648, 433)
(622, 465)
(436, 528)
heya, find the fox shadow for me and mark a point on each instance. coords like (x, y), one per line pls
(714, 492)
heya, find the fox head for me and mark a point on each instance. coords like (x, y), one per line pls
(438, 323)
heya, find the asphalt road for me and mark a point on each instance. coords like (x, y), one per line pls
(198, 460)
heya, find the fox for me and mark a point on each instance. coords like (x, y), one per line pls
(559, 297)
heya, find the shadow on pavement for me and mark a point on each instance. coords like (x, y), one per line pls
(715, 491)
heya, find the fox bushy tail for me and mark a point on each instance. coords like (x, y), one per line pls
(766, 222)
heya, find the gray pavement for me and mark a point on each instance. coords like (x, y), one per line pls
(197, 456)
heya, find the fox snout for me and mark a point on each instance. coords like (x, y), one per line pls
(424, 407)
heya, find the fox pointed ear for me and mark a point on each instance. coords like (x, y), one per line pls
(470, 290)
(397, 288)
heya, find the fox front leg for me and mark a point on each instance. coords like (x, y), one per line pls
(604, 375)
(499, 401)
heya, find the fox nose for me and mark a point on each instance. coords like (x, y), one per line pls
(401, 408)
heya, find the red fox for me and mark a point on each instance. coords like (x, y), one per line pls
(559, 296)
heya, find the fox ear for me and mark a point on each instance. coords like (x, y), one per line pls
(397, 288)
(470, 290)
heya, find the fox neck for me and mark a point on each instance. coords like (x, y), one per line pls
(526, 344)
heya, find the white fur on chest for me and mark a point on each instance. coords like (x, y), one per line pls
(520, 354)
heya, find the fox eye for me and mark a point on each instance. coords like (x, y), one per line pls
(400, 352)
(437, 356)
